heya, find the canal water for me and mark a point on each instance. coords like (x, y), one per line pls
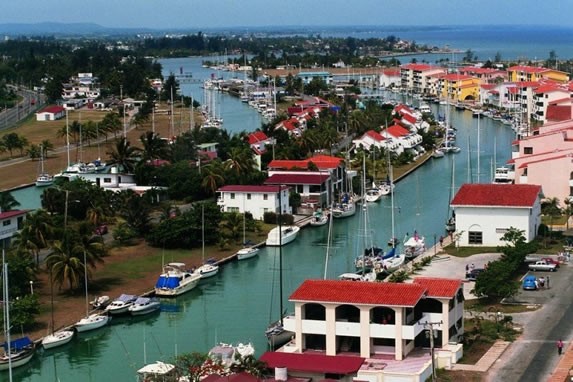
(237, 304)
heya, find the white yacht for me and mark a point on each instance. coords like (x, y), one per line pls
(121, 304)
(289, 233)
(175, 280)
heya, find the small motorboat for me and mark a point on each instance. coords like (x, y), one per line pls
(208, 269)
(121, 304)
(319, 218)
(100, 302)
(285, 235)
(144, 305)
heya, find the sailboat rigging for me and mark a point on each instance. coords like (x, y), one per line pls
(248, 251)
(44, 179)
(208, 268)
(61, 337)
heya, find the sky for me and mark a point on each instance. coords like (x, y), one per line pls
(191, 14)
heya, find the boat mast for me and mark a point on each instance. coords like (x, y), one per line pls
(68, 136)
(6, 299)
(203, 233)
(478, 152)
(280, 255)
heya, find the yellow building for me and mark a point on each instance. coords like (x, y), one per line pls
(520, 73)
(459, 87)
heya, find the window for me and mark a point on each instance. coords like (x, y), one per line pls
(528, 150)
(248, 196)
(233, 209)
(107, 180)
(501, 230)
(6, 222)
(232, 195)
(475, 237)
(265, 197)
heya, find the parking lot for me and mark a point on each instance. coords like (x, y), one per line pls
(542, 295)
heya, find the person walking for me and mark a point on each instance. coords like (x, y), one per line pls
(547, 282)
(441, 241)
(559, 347)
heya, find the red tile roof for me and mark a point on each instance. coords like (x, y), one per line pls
(397, 131)
(10, 214)
(548, 88)
(315, 363)
(544, 160)
(409, 118)
(250, 188)
(418, 67)
(52, 109)
(456, 77)
(256, 137)
(438, 287)
(235, 377)
(352, 292)
(321, 161)
(526, 69)
(497, 195)
(374, 135)
(312, 179)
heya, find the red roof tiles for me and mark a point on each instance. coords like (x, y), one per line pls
(52, 109)
(375, 135)
(438, 287)
(352, 292)
(256, 137)
(497, 195)
(250, 188)
(397, 131)
(316, 363)
(313, 179)
(321, 161)
(10, 214)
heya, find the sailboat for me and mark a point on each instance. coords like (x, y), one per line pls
(44, 179)
(276, 334)
(346, 207)
(246, 252)
(207, 269)
(447, 146)
(90, 321)
(19, 351)
(451, 220)
(61, 337)
(391, 263)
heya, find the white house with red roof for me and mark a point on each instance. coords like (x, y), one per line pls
(254, 199)
(10, 223)
(292, 126)
(259, 142)
(379, 323)
(485, 212)
(51, 113)
(389, 78)
(372, 138)
(408, 140)
(315, 179)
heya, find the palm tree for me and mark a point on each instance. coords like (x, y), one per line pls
(153, 146)
(91, 248)
(46, 146)
(35, 233)
(124, 155)
(213, 176)
(240, 162)
(7, 201)
(234, 223)
(64, 266)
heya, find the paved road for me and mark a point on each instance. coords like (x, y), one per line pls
(534, 355)
(9, 117)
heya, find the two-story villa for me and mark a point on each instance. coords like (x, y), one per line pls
(254, 199)
(377, 322)
(10, 223)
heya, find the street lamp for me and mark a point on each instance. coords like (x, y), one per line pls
(31, 287)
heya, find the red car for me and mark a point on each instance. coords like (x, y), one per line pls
(550, 260)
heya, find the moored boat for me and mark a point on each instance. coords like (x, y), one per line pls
(92, 322)
(319, 218)
(175, 280)
(100, 302)
(158, 371)
(247, 253)
(287, 234)
(208, 269)
(144, 305)
(414, 246)
(58, 338)
(18, 353)
(228, 355)
(121, 304)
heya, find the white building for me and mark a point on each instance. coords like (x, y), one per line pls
(51, 113)
(485, 212)
(254, 199)
(379, 322)
(10, 223)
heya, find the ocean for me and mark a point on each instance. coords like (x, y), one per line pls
(512, 42)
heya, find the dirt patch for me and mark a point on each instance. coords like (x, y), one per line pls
(474, 352)
(455, 376)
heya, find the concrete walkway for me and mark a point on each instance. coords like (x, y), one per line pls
(562, 371)
(486, 360)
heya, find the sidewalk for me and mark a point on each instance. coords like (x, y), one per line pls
(486, 360)
(561, 372)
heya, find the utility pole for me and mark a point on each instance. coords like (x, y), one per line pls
(430, 333)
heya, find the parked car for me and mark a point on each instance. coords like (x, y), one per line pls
(101, 229)
(473, 274)
(551, 260)
(530, 283)
(543, 266)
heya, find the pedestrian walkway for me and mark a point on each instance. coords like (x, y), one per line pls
(486, 360)
(561, 372)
